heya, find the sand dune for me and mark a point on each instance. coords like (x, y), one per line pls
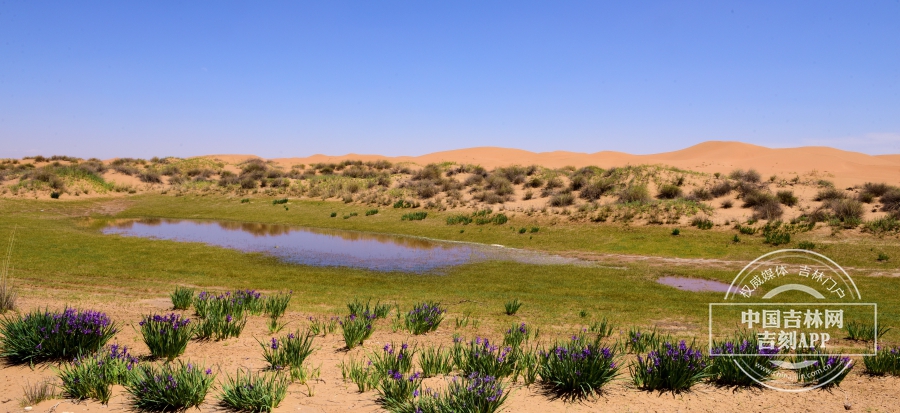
(842, 167)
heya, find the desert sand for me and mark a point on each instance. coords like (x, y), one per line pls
(843, 167)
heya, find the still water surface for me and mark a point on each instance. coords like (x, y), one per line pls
(327, 247)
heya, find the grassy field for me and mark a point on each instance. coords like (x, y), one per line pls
(60, 252)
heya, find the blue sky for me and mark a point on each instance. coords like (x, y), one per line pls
(297, 78)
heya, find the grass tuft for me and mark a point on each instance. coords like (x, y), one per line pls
(248, 392)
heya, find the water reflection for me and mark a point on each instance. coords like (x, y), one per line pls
(322, 247)
(694, 284)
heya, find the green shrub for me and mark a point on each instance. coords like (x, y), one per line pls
(806, 245)
(882, 257)
(172, 386)
(702, 223)
(669, 191)
(333, 214)
(562, 199)
(248, 392)
(634, 193)
(279, 201)
(676, 232)
(54, 195)
(787, 198)
(371, 212)
(829, 194)
(776, 234)
(414, 216)
(459, 219)
(882, 225)
(45, 335)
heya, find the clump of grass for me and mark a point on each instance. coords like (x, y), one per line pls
(676, 232)
(414, 216)
(669, 191)
(232, 302)
(634, 193)
(323, 326)
(393, 359)
(640, 341)
(289, 353)
(579, 367)
(562, 199)
(882, 225)
(219, 325)
(91, 377)
(172, 386)
(279, 201)
(424, 317)
(435, 361)
(829, 193)
(512, 306)
(828, 370)
(361, 373)
(787, 198)
(702, 223)
(8, 294)
(396, 391)
(459, 219)
(885, 361)
(775, 233)
(333, 214)
(45, 335)
(182, 298)
(275, 305)
(727, 355)
(357, 329)
(480, 356)
(472, 393)
(670, 367)
(38, 392)
(806, 245)
(883, 257)
(248, 392)
(602, 329)
(167, 336)
(359, 308)
(516, 335)
(370, 212)
(727, 204)
(859, 331)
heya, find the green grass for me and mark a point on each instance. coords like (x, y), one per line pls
(59, 244)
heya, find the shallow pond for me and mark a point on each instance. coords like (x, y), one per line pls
(694, 284)
(325, 247)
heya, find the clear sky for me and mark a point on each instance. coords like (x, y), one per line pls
(158, 78)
